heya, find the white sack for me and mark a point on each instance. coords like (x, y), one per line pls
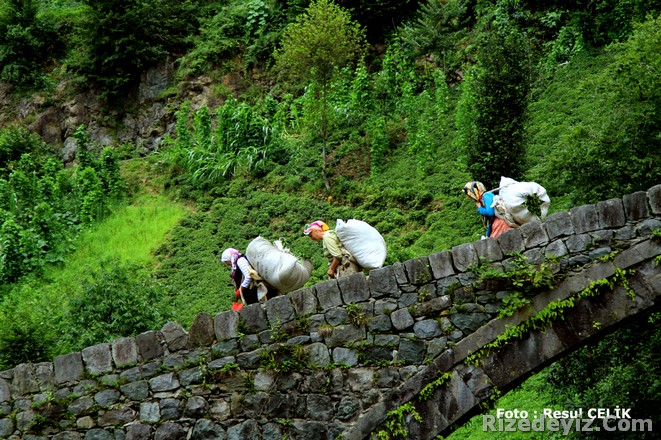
(510, 203)
(363, 242)
(277, 266)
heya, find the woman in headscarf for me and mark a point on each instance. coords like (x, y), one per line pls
(240, 275)
(484, 201)
(341, 262)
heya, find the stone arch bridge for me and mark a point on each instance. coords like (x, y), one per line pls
(336, 360)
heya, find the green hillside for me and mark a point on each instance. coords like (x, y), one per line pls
(348, 113)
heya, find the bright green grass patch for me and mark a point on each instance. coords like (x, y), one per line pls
(132, 232)
(129, 235)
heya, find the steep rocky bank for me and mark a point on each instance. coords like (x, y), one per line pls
(143, 121)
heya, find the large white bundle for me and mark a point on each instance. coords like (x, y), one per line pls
(277, 266)
(363, 242)
(510, 203)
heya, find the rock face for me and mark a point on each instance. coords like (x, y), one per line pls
(150, 118)
(333, 359)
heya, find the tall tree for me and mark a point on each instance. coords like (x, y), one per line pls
(437, 29)
(122, 38)
(28, 42)
(313, 49)
(493, 106)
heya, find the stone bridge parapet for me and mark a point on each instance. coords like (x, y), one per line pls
(330, 361)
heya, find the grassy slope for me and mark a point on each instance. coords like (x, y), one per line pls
(417, 216)
(418, 213)
(563, 108)
(419, 209)
(129, 235)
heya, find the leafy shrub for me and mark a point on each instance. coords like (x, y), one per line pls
(266, 21)
(396, 82)
(379, 143)
(427, 121)
(90, 194)
(564, 47)
(15, 259)
(116, 301)
(98, 181)
(622, 371)
(241, 140)
(33, 217)
(22, 340)
(438, 29)
(604, 21)
(111, 178)
(221, 37)
(16, 141)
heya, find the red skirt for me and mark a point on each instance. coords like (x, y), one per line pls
(498, 227)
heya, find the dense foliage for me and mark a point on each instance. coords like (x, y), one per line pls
(121, 39)
(438, 29)
(622, 371)
(210, 148)
(238, 32)
(29, 42)
(23, 339)
(494, 104)
(43, 205)
(562, 93)
(118, 300)
(597, 155)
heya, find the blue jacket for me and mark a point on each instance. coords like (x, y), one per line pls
(487, 211)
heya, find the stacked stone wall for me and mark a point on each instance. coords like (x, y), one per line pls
(331, 359)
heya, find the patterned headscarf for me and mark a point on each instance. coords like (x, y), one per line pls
(315, 225)
(231, 255)
(474, 190)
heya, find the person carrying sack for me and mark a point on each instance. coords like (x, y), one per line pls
(243, 278)
(341, 262)
(494, 225)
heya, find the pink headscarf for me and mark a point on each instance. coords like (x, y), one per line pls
(231, 255)
(319, 225)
